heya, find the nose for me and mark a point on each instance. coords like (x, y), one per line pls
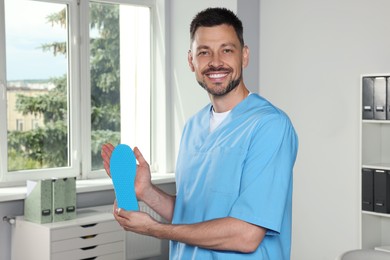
(215, 61)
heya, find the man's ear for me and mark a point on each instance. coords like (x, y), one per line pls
(190, 60)
(245, 56)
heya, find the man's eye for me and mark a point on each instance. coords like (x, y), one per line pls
(202, 53)
(227, 51)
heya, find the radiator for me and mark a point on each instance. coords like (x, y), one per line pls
(140, 246)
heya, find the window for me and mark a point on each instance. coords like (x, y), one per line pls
(68, 95)
(120, 76)
(37, 84)
(19, 125)
(35, 123)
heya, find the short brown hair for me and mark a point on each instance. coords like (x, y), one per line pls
(217, 16)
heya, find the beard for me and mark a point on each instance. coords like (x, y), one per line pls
(220, 91)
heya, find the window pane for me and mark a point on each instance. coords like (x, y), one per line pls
(37, 88)
(120, 77)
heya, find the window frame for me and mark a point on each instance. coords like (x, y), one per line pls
(79, 75)
(17, 177)
(86, 167)
(3, 94)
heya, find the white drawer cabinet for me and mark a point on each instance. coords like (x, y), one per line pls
(93, 235)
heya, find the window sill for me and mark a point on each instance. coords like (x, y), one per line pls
(19, 193)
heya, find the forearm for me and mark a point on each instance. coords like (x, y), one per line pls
(160, 201)
(221, 234)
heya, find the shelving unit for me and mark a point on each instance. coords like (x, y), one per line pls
(374, 154)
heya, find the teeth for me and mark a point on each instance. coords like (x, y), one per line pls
(214, 76)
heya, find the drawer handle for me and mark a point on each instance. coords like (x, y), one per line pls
(90, 258)
(88, 248)
(88, 237)
(89, 225)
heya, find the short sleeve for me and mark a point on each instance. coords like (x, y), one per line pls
(266, 182)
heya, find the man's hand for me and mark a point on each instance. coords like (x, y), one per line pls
(134, 221)
(142, 183)
(145, 191)
(106, 155)
(143, 179)
(219, 234)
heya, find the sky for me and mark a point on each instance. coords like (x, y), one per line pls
(26, 30)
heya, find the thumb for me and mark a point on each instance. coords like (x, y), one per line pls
(119, 211)
(140, 158)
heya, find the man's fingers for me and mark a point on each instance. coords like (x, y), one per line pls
(138, 155)
(107, 167)
(107, 150)
(106, 155)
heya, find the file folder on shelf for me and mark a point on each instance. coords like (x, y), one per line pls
(367, 189)
(380, 98)
(368, 97)
(381, 191)
(38, 202)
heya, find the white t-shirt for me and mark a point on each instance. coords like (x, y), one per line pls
(217, 118)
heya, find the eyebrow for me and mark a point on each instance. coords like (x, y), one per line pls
(200, 47)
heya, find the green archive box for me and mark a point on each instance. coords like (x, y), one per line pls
(64, 199)
(38, 202)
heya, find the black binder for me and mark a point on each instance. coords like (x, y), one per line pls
(381, 191)
(368, 98)
(380, 98)
(367, 189)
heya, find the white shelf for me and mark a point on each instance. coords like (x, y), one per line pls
(375, 144)
(377, 166)
(383, 248)
(383, 215)
(375, 121)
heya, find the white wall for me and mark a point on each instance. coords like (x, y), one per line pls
(248, 11)
(311, 56)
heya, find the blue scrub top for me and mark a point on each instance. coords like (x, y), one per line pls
(243, 169)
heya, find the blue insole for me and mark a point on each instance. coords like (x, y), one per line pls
(123, 170)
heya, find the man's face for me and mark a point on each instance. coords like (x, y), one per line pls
(217, 59)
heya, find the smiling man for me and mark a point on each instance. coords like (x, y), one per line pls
(235, 163)
(218, 63)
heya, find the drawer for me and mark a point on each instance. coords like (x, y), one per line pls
(91, 252)
(117, 256)
(87, 241)
(84, 230)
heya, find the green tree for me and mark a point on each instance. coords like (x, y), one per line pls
(45, 146)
